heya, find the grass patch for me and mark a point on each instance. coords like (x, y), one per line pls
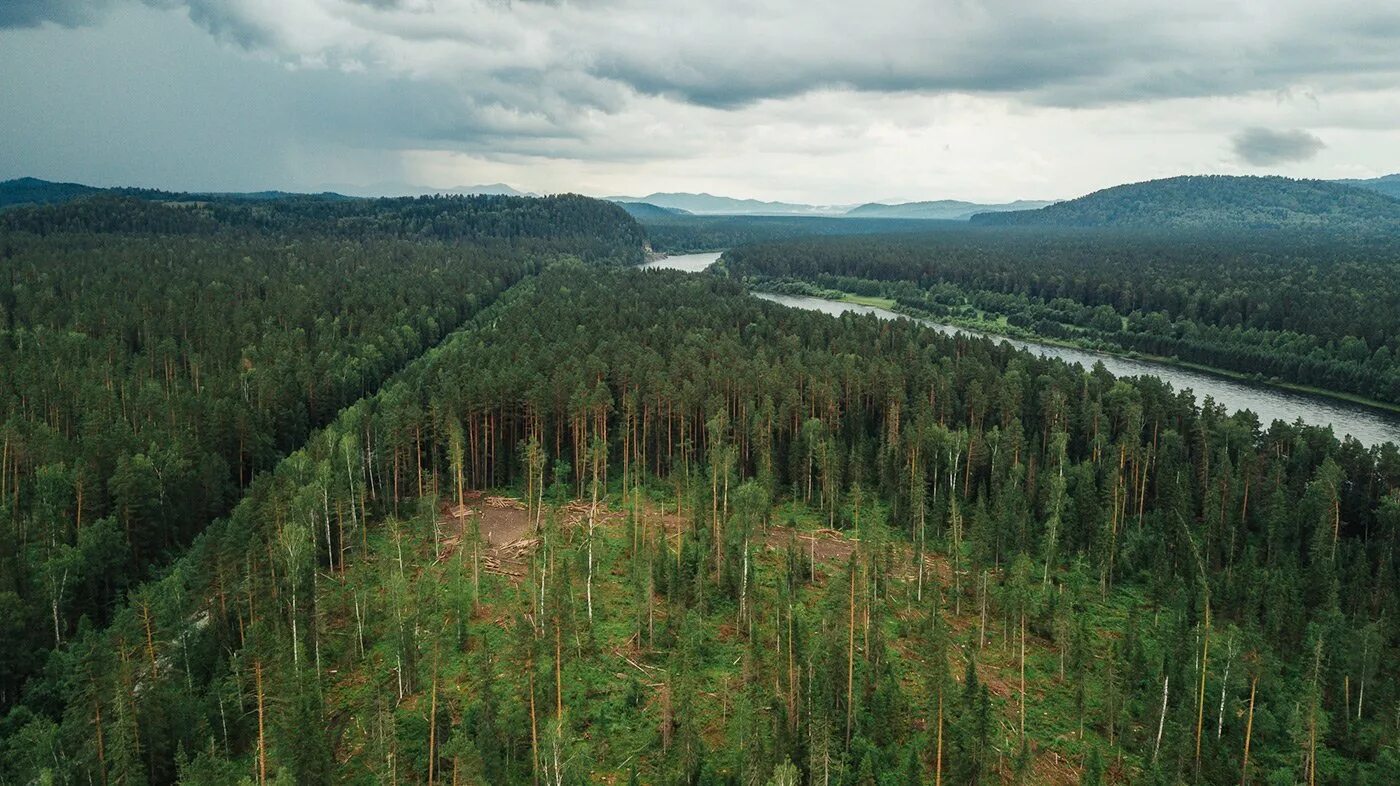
(868, 300)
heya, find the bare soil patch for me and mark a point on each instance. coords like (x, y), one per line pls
(507, 533)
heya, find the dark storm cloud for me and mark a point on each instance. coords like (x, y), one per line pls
(1268, 147)
(225, 21)
(1052, 60)
(1050, 53)
(730, 53)
(32, 13)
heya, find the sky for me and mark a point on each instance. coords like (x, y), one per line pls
(796, 100)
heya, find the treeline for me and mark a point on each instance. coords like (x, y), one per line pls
(687, 234)
(591, 228)
(157, 358)
(1128, 584)
(1307, 309)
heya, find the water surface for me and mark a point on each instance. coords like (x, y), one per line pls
(690, 263)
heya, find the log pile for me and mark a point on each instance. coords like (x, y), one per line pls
(517, 550)
(509, 560)
(460, 511)
(449, 546)
(493, 564)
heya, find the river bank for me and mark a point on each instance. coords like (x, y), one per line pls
(1366, 422)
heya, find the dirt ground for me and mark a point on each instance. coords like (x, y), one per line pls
(509, 532)
(503, 520)
(505, 526)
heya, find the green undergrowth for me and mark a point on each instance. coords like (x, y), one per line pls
(476, 630)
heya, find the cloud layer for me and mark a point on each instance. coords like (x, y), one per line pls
(733, 52)
(629, 84)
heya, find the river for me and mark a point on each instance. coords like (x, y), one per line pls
(1368, 426)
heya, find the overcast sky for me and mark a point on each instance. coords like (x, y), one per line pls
(804, 100)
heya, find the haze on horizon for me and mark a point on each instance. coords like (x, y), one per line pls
(827, 103)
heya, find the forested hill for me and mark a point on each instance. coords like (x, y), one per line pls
(1386, 184)
(34, 191)
(155, 357)
(1217, 202)
(644, 210)
(592, 227)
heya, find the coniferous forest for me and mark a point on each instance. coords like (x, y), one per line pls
(443, 491)
(158, 358)
(1310, 308)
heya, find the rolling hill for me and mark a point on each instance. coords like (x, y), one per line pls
(645, 210)
(942, 209)
(33, 191)
(1388, 184)
(1217, 202)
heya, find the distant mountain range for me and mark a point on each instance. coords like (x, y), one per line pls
(943, 209)
(709, 204)
(1217, 202)
(28, 190)
(1193, 201)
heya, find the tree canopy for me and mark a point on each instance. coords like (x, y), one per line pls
(757, 545)
(1305, 308)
